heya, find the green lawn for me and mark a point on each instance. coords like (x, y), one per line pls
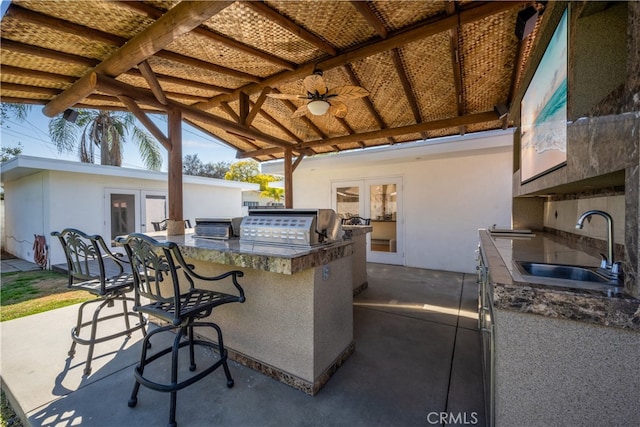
(31, 292)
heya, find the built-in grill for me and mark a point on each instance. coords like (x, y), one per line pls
(291, 227)
(217, 228)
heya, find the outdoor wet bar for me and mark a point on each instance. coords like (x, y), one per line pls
(297, 322)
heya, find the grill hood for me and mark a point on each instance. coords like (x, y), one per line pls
(296, 227)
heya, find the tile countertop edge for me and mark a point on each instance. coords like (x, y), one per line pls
(567, 304)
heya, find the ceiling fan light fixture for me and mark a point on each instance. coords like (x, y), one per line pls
(318, 107)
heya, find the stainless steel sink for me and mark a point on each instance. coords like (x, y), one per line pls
(563, 272)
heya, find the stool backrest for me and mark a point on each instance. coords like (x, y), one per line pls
(88, 257)
(356, 220)
(159, 225)
(154, 263)
(152, 266)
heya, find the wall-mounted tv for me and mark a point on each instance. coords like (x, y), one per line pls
(543, 121)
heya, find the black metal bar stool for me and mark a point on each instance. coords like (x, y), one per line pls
(356, 220)
(159, 269)
(92, 267)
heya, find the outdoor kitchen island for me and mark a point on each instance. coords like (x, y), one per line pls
(297, 322)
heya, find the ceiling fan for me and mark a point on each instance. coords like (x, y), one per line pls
(321, 99)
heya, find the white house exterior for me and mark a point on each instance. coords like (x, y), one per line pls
(446, 190)
(45, 195)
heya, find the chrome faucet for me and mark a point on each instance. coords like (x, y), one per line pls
(607, 263)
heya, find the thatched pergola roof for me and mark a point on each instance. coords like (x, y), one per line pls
(431, 68)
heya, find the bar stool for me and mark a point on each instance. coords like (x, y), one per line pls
(92, 267)
(356, 220)
(159, 269)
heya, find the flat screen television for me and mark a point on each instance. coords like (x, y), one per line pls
(543, 121)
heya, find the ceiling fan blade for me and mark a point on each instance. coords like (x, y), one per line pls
(342, 93)
(285, 96)
(301, 111)
(338, 109)
(315, 83)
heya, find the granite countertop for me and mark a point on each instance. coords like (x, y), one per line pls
(275, 259)
(602, 305)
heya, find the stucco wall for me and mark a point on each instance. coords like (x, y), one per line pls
(54, 200)
(25, 209)
(447, 197)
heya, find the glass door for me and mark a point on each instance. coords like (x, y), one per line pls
(348, 201)
(122, 215)
(383, 206)
(154, 209)
(379, 200)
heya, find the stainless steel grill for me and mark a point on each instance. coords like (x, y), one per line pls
(291, 227)
(217, 228)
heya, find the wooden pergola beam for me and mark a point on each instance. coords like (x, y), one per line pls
(257, 106)
(58, 56)
(182, 82)
(204, 130)
(367, 12)
(26, 15)
(450, 8)
(115, 40)
(273, 15)
(17, 87)
(243, 108)
(414, 32)
(383, 133)
(37, 51)
(297, 162)
(367, 102)
(146, 121)
(112, 86)
(364, 8)
(198, 63)
(36, 74)
(176, 22)
(404, 130)
(349, 130)
(227, 108)
(407, 88)
(154, 13)
(153, 82)
(279, 125)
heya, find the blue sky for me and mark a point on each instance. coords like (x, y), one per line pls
(33, 135)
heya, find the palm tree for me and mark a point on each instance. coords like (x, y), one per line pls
(19, 111)
(106, 131)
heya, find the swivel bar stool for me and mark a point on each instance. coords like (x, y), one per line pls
(92, 267)
(159, 270)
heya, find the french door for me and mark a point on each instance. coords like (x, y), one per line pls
(380, 200)
(131, 211)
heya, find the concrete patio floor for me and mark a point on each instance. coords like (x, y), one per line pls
(417, 355)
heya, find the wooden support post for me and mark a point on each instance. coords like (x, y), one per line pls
(175, 225)
(288, 179)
